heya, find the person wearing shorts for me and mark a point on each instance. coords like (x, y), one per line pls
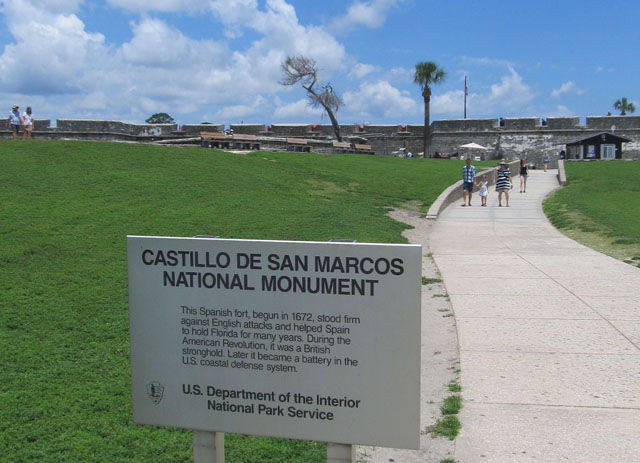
(468, 180)
(523, 176)
(27, 124)
(14, 121)
(545, 160)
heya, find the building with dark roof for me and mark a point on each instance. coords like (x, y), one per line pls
(604, 146)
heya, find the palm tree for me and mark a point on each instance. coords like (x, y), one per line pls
(624, 106)
(427, 74)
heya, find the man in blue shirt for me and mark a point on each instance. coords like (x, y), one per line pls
(468, 180)
(13, 123)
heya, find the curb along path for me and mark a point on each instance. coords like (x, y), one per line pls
(439, 357)
(548, 332)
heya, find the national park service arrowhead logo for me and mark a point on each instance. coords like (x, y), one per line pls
(155, 391)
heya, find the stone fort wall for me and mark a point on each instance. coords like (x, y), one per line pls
(512, 138)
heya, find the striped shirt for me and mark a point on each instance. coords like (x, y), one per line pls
(503, 181)
(469, 174)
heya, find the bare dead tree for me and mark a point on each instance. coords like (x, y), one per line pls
(303, 70)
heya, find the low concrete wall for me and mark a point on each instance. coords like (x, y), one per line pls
(604, 123)
(115, 128)
(562, 123)
(516, 138)
(195, 129)
(249, 129)
(562, 175)
(97, 130)
(524, 123)
(464, 125)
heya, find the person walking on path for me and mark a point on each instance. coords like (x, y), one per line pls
(484, 191)
(523, 176)
(468, 181)
(14, 121)
(545, 160)
(27, 124)
(503, 182)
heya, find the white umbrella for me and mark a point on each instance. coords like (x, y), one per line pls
(474, 146)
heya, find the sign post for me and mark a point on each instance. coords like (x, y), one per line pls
(303, 340)
(208, 447)
(341, 453)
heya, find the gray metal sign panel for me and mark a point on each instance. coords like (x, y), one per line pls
(305, 340)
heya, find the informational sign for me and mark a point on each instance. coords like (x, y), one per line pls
(305, 340)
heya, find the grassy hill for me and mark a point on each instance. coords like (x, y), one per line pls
(65, 209)
(600, 207)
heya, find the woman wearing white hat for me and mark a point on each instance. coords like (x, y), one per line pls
(13, 123)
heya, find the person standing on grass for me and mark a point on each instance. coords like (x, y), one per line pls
(14, 121)
(503, 182)
(468, 180)
(523, 176)
(27, 124)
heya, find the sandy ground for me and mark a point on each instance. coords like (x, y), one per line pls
(440, 360)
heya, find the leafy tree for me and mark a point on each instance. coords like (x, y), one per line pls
(624, 106)
(427, 74)
(304, 70)
(160, 118)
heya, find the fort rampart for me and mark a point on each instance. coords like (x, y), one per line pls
(512, 138)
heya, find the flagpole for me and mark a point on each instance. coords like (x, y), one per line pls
(466, 92)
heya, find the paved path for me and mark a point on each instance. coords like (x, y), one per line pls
(549, 335)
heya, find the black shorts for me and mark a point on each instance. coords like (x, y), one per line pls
(15, 128)
(467, 186)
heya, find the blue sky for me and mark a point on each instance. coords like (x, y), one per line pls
(219, 60)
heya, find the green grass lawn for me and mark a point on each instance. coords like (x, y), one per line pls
(65, 209)
(600, 207)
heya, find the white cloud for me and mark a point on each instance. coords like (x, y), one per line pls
(165, 6)
(160, 68)
(486, 61)
(360, 70)
(234, 14)
(375, 98)
(510, 95)
(450, 103)
(238, 112)
(35, 9)
(371, 14)
(567, 87)
(282, 35)
(561, 111)
(297, 109)
(52, 53)
(603, 69)
(400, 75)
(155, 44)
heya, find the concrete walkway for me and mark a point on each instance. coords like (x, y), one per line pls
(549, 335)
